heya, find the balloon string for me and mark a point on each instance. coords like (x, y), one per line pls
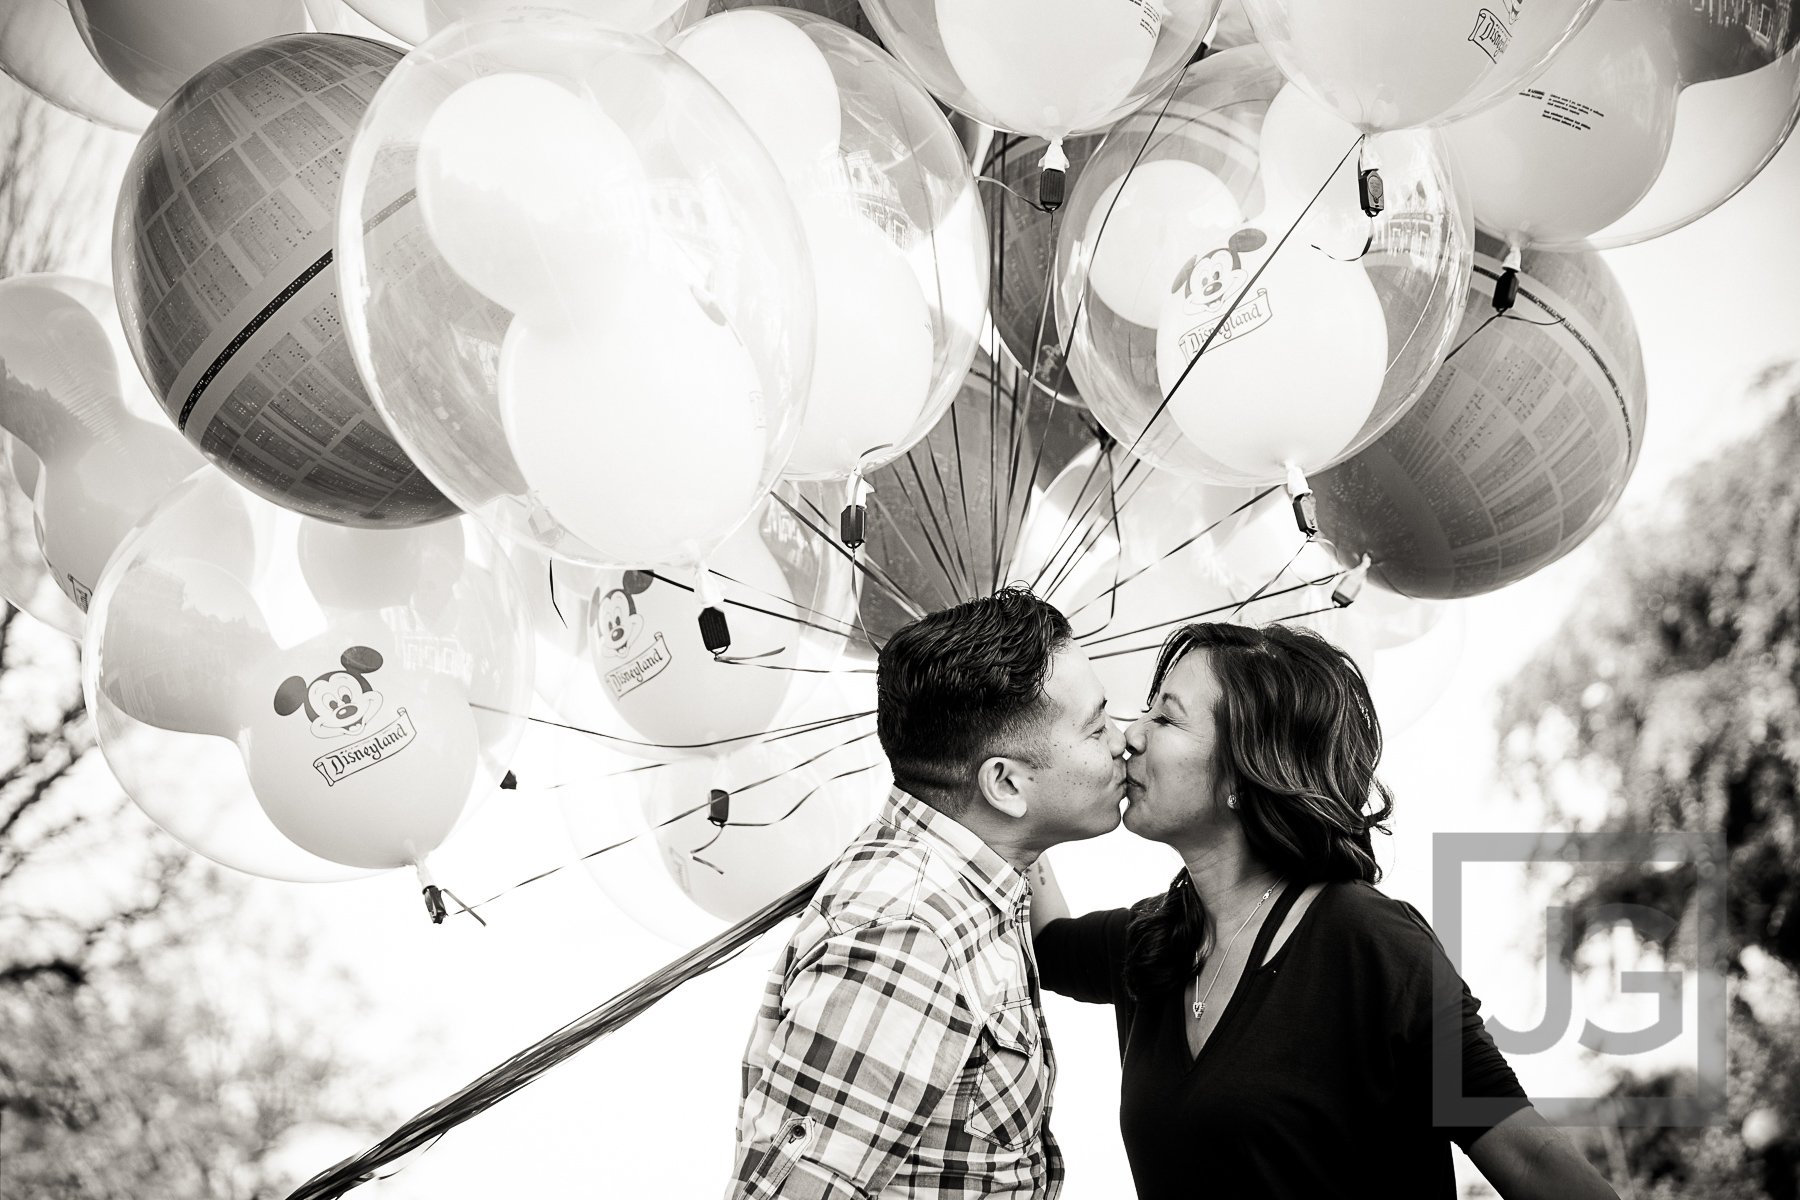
(1088, 639)
(1492, 317)
(721, 827)
(1014, 192)
(1292, 559)
(798, 620)
(944, 547)
(895, 592)
(681, 816)
(521, 1069)
(778, 734)
(1311, 612)
(553, 603)
(1179, 548)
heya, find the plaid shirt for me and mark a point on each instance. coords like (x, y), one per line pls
(900, 1049)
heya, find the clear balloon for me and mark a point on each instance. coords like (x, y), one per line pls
(1044, 68)
(891, 216)
(372, 683)
(1653, 115)
(1396, 64)
(651, 385)
(227, 285)
(26, 579)
(1407, 681)
(1520, 449)
(1291, 328)
(98, 468)
(42, 49)
(784, 809)
(152, 47)
(624, 658)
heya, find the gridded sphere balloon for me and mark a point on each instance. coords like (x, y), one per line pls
(1233, 314)
(223, 260)
(1043, 67)
(577, 287)
(336, 699)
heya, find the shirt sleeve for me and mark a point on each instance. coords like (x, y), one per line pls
(1082, 957)
(874, 1034)
(1485, 1071)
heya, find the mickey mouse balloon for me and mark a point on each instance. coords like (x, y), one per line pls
(370, 684)
(577, 288)
(1233, 313)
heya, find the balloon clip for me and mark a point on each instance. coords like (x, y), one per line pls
(718, 807)
(1371, 191)
(1306, 513)
(853, 521)
(509, 782)
(1052, 174)
(715, 631)
(434, 897)
(1506, 288)
(1351, 585)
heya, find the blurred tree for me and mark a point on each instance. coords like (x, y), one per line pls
(156, 1038)
(1670, 701)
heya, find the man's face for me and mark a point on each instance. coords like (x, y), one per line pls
(1076, 790)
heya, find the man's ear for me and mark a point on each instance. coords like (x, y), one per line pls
(1005, 785)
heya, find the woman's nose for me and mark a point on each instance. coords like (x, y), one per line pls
(1134, 735)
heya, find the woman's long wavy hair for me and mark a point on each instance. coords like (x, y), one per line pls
(1298, 742)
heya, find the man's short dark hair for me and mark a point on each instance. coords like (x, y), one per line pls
(958, 686)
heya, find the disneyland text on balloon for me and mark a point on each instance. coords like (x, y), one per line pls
(641, 669)
(341, 764)
(1252, 313)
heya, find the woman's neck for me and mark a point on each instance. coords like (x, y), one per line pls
(1227, 876)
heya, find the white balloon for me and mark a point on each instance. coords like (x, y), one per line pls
(1049, 67)
(1145, 225)
(644, 433)
(1303, 144)
(776, 79)
(872, 366)
(627, 16)
(1293, 371)
(525, 188)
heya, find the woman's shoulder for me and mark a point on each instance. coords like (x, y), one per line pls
(1358, 914)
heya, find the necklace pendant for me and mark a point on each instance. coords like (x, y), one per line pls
(1199, 1009)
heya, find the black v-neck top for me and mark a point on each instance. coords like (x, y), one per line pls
(1316, 1081)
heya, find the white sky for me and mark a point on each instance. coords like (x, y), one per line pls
(650, 1111)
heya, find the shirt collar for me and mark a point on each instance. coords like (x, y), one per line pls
(975, 860)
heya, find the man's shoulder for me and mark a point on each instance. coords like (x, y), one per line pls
(887, 876)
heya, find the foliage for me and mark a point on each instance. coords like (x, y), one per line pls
(1671, 697)
(153, 1040)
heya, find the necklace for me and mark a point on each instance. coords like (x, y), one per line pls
(1200, 1004)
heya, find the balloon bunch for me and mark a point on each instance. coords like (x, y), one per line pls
(636, 367)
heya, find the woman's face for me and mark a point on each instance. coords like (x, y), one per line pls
(1171, 778)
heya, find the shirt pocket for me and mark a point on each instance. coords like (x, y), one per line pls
(1007, 1089)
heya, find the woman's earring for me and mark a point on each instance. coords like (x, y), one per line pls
(1231, 801)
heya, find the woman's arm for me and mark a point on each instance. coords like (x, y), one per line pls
(1527, 1158)
(1047, 903)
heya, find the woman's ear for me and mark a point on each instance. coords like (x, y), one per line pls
(1004, 784)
